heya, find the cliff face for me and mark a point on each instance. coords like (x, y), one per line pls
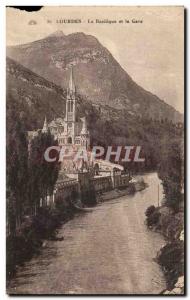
(98, 76)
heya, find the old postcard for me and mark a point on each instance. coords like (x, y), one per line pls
(95, 155)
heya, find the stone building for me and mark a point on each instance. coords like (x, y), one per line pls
(69, 130)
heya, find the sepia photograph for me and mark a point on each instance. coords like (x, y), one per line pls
(95, 150)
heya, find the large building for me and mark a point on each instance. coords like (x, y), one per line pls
(68, 130)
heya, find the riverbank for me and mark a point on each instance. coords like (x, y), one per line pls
(102, 253)
(31, 237)
(171, 256)
(132, 188)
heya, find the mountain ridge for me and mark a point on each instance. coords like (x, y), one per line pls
(98, 76)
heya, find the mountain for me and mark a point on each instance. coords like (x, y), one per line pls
(35, 97)
(98, 76)
(31, 95)
(32, 98)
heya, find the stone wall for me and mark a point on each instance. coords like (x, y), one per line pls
(85, 185)
(120, 179)
(65, 190)
(102, 184)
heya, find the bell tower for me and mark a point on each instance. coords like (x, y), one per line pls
(70, 118)
(85, 138)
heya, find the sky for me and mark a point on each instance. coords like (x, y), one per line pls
(150, 50)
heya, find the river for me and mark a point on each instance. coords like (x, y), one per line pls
(106, 251)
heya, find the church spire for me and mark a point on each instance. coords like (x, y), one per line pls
(45, 127)
(71, 82)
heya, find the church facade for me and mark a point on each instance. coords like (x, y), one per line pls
(68, 130)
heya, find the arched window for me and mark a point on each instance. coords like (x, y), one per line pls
(70, 106)
(69, 140)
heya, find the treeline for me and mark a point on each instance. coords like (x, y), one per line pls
(29, 177)
(171, 172)
(152, 135)
(169, 217)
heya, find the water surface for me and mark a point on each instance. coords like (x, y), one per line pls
(106, 251)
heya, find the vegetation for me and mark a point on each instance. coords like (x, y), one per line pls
(169, 218)
(170, 172)
(29, 179)
(171, 259)
(152, 135)
(32, 95)
(42, 175)
(17, 170)
(33, 231)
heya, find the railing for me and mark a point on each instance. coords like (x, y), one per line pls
(67, 183)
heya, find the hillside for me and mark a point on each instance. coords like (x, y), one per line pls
(33, 97)
(98, 76)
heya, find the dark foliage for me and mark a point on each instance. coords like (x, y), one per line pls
(171, 258)
(42, 174)
(153, 218)
(150, 210)
(170, 172)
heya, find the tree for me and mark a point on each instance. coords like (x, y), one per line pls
(17, 170)
(43, 174)
(170, 172)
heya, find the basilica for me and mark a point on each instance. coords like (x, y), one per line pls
(68, 130)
